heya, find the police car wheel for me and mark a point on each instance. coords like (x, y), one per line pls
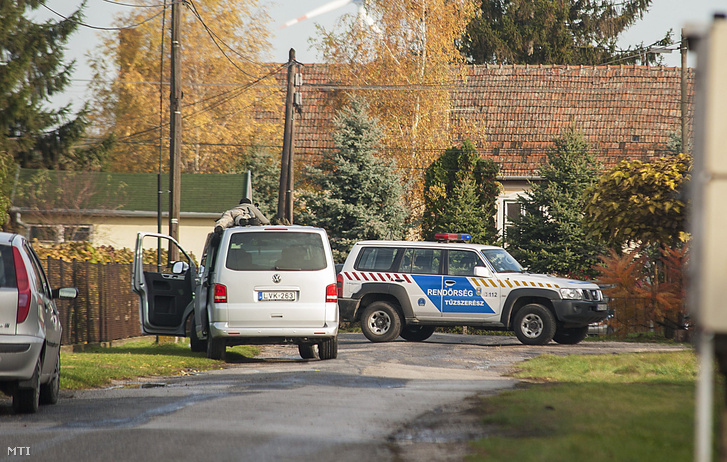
(534, 325)
(417, 333)
(570, 336)
(380, 322)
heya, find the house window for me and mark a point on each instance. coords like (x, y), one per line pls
(511, 210)
(44, 233)
(76, 233)
(60, 233)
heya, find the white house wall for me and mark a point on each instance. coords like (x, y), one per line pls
(121, 232)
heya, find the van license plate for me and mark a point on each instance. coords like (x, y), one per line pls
(286, 296)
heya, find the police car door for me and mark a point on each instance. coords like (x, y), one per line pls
(465, 296)
(425, 290)
(165, 290)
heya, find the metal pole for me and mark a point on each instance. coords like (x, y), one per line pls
(705, 389)
(175, 123)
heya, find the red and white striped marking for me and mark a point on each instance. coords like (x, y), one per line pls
(363, 276)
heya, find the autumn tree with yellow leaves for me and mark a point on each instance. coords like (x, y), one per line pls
(223, 83)
(640, 202)
(399, 56)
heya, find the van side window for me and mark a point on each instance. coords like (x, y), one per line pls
(377, 259)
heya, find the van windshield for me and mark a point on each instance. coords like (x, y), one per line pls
(276, 251)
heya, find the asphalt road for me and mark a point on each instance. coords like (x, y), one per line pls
(394, 402)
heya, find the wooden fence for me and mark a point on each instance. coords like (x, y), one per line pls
(106, 309)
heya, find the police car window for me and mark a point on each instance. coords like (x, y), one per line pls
(424, 261)
(377, 259)
(462, 263)
(502, 261)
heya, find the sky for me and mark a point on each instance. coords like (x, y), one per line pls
(662, 16)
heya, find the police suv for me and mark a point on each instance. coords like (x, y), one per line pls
(407, 289)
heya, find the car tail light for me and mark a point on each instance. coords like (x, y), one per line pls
(21, 277)
(331, 293)
(339, 285)
(220, 293)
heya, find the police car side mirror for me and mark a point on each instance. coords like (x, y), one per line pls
(482, 272)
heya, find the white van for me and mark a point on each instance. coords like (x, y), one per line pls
(255, 285)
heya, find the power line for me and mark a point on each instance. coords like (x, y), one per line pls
(132, 5)
(641, 52)
(217, 40)
(229, 96)
(103, 28)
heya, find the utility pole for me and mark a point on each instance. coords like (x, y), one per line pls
(285, 191)
(683, 110)
(175, 135)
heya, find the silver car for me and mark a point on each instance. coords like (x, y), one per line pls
(30, 327)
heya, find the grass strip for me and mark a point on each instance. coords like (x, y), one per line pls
(628, 407)
(99, 367)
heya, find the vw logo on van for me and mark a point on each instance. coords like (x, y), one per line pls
(276, 278)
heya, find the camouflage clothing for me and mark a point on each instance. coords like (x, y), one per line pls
(242, 215)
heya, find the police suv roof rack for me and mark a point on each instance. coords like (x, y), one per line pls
(452, 237)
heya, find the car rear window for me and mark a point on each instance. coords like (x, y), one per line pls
(7, 267)
(276, 251)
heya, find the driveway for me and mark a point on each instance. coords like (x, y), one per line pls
(395, 401)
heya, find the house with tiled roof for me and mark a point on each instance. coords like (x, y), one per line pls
(110, 208)
(625, 112)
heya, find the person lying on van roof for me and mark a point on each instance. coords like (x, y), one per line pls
(245, 214)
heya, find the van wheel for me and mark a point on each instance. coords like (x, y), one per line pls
(380, 322)
(49, 392)
(328, 349)
(534, 324)
(25, 400)
(195, 344)
(570, 336)
(417, 333)
(216, 348)
(307, 351)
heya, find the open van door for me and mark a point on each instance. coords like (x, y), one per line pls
(165, 288)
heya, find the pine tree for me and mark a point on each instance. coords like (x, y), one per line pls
(33, 70)
(548, 237)
(357, 195)
(265, 170)
(555, 32)
(460, 194)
